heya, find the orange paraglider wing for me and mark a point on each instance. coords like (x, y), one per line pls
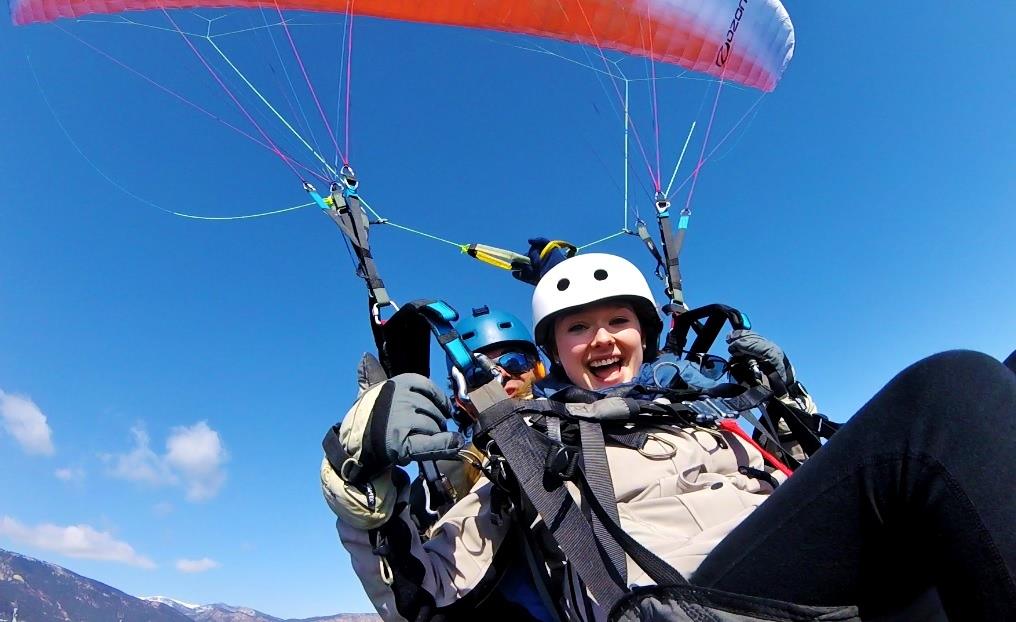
(746, 41)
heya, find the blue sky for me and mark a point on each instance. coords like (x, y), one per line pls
(186, 370)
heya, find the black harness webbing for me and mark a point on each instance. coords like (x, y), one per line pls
(518, 444)
(658, 570)
(538, 569)
(601, 486)
(595, 544)
(588, 544)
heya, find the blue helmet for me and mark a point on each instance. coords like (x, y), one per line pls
(484, 328)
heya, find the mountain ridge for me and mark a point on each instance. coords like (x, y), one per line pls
(46, 591)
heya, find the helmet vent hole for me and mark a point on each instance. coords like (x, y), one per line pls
(563, 285)
(600, 275)
(504, 325)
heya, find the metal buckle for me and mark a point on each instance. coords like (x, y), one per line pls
(710, 410)
(348, 180)
(662, 204)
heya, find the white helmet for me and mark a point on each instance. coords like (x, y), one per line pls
(595, 277)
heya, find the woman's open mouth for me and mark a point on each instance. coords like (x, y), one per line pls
(604, 369)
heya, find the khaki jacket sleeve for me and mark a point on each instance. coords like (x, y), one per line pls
(456, 555)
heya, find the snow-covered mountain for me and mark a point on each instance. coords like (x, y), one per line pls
(221, 612)
(217, 612)
(179, 605)
(47, 592)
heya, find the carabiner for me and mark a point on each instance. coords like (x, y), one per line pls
(375, 311)
(348, 177)
(662, 204)
(459, 385)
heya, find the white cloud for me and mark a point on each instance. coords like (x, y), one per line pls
(197, 454)
(70, 474)
(25, 422)
(194, 459)
(196, 565)
(81, 541)
(141, 464)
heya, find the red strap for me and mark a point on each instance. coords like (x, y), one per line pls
(729, 425)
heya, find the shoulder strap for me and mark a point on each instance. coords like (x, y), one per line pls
(592, 546)
(517, 444)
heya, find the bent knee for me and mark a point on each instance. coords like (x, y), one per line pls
(962, 375)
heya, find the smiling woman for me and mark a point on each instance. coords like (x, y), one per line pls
(684, 507)
(599, 346)
(596, 317)
(585, 279)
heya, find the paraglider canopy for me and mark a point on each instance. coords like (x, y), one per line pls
(697, 35)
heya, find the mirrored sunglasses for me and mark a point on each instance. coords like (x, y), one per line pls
(515, 363)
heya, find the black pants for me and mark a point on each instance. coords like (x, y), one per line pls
(918, 490)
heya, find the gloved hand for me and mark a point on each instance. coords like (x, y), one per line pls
(394, 422)
(414, 413)
(539, 265)
(770, 357)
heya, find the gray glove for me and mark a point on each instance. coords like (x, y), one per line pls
(770, 357)
(394, 422)
(414, 413)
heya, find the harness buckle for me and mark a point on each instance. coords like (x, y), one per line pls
(562, 461)
(710, 410)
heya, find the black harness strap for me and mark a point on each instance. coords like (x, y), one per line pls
(643, 232)
(584, 545)
(658, 570)
(806, 428)
(516, 443)
(538, 569)
(553, 424)
(597, 471)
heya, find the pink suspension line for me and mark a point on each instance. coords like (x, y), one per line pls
(349, 73)
(656, 110)
(310, 86)
(271, 143)
(180, 97)
(705, 142)
(620, 97)
(720, 143)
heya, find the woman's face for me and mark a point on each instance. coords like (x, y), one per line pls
(599, 345)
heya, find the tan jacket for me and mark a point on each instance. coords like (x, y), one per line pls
(678, 496)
